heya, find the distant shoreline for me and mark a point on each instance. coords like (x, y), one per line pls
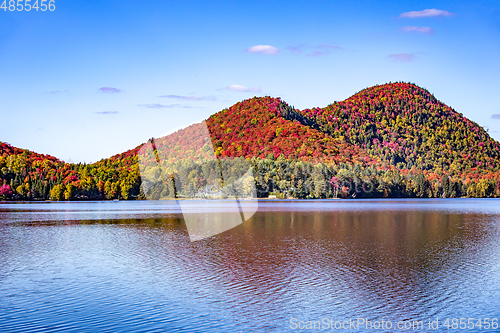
(244, 200)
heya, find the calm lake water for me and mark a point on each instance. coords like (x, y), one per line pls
(130, 266)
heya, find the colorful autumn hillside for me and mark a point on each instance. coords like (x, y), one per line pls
(403, 123)
(25, 175)
(391, 140)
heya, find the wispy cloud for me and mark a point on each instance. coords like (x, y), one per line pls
(109, 90)
(402, 57)
(317, 53)
(329, 47)
(323, 49)
(495, 116)
(314, 51)
(191, 98)
(237, 87)
(295, 49)
(426, 13)
(107, 112)
(55, 92)
(158, 106)
(162, 106)
(423, 30)
(263, 49)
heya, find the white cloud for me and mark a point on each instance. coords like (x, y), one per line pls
(263, 49)
(426, 13)
(110, 90)
(237, 87)
(423, 30)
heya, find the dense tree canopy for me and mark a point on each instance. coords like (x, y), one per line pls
(392, 140)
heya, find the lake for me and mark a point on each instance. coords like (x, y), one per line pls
(130, 266)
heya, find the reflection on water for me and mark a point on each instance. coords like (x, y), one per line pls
(130, 266)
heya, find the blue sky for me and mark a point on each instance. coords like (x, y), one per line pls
(96, 78)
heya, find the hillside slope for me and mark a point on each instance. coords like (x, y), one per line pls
(255, 128)
(392, 140)
(403, 123)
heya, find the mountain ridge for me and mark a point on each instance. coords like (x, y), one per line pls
(396, 135)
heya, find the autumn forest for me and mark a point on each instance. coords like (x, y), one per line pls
(389, 141)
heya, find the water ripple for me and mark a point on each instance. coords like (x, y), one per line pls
(122, 267)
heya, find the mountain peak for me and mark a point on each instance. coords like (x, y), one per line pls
(392, 90)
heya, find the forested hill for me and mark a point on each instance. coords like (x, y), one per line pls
(403, 123)
(391, 140)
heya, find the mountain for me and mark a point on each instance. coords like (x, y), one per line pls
(257, 128)
(391, 140)
(403, 123)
